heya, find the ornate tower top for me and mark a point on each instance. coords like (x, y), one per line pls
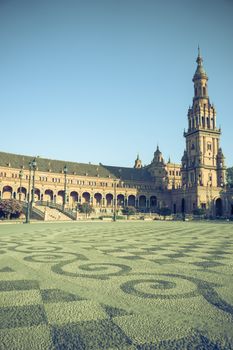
(200, 73)
(138, 163)
(158, 157)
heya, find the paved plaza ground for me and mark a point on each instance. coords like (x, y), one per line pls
(123, 285)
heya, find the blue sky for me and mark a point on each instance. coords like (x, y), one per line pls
(100, 81)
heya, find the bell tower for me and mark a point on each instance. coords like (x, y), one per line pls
(203, 160)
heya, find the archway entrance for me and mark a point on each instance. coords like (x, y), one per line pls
(131, 200)
(109, 200)
(98, 199)
(153, 203)
(7, 192)
(74, 199)
(86, 197)
(218, 207)
(142, 201)
(120, 200)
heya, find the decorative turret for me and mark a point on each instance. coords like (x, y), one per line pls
(138, 163)
(158, 157)
(157, 168)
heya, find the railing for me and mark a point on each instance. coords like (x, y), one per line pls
(72, 215)
(34, 210)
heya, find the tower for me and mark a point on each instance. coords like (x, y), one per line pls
(157, 169)
(203, 160)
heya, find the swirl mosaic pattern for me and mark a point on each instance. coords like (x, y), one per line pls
(142, 285)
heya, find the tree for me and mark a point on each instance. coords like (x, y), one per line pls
(85, 208)
(129, 211)
(10, 208)
(199, 211)
(165, 211)
(230, 176)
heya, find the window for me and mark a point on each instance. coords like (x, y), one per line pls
(209, 146)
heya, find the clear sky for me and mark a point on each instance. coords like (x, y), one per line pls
(101, 80)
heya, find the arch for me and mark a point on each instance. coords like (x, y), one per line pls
(183, 206)
(109, 199)
(142, 201)
(131, 200)
(60, 197)
(37, 194)
(153, 201)
(74, 198)
(22, 193)
(120, 200)
(98, 199)
(218, 207)
(204, 90)
(87, 197)
(48, 195)
(7, 192)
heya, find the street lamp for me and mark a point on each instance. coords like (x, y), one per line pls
(184, 203)
(33, 163)
(28, 194)
(115, 201)
(65, 170)
(20, 183)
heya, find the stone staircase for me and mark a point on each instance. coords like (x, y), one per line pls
(52, 214)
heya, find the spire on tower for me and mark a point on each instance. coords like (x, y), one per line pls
(200, 72)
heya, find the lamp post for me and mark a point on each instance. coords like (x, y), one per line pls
(28, 194)
(115, 201)
(184, 203)
(20, 184)
(33, 180)
(65, 169)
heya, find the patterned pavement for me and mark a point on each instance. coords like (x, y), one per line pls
(141, 285)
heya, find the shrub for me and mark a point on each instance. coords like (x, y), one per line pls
(85, 208)
(165, 211)
(199, 211)
(129, 211)
(10, 208)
